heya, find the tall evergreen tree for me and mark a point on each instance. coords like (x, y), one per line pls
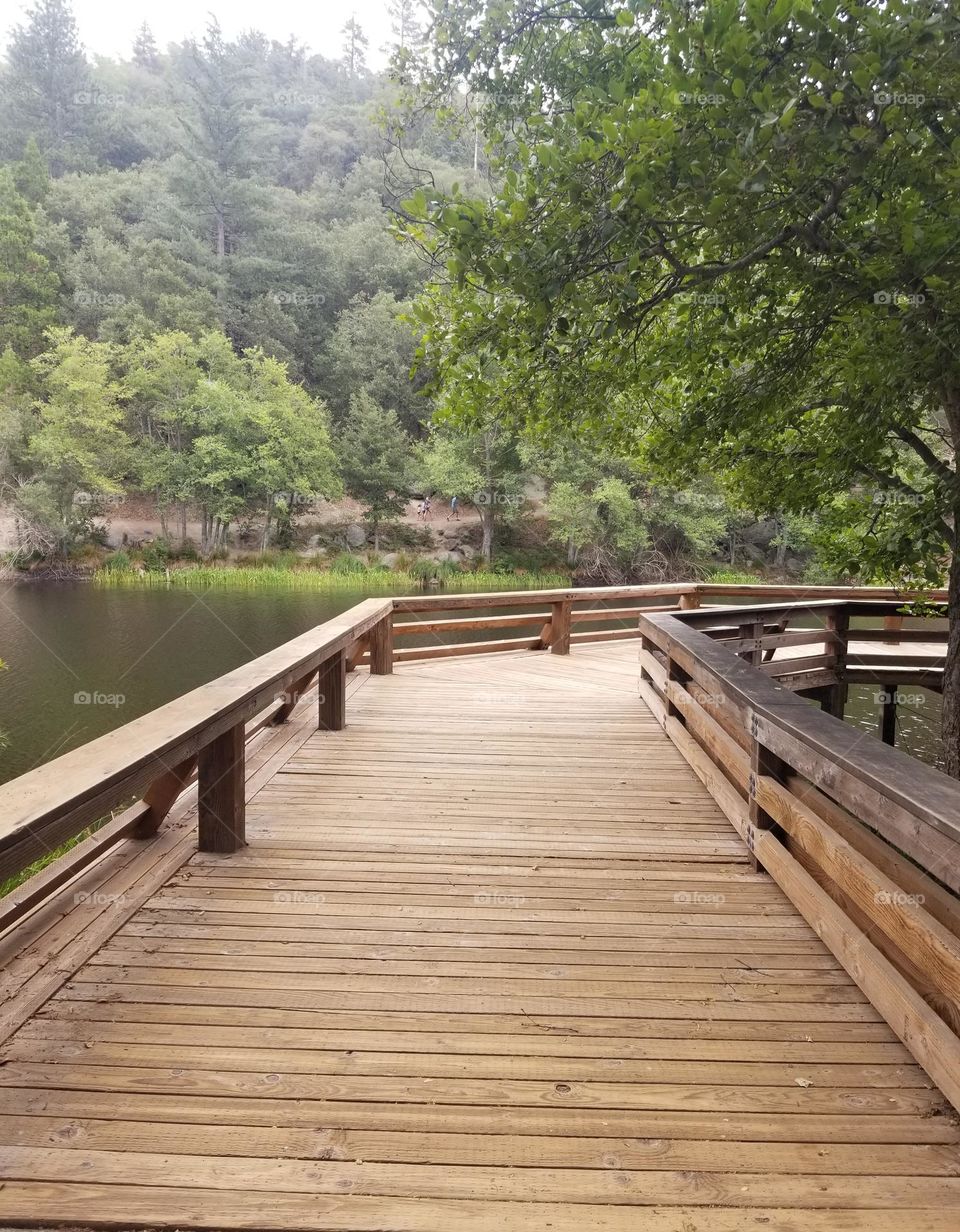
(215, 124)
(30, 173)
(48, 90)
(355, 44)
(28, 287)
(145, 51)
(407, 30)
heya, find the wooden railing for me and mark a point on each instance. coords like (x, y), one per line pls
(819, 648)
(142, 768)
(864, 839)
(155, 757)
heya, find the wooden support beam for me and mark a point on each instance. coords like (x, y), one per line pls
(290, 698)
(221, 796)
(560, 627)
(888, 714)
(332, 685)
(356, 653)
(381, 647)
(161, 795)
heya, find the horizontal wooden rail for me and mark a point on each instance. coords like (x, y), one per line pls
(863, 839)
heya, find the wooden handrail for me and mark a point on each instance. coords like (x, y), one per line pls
(900, 779)
(45, 807)
(862, 838)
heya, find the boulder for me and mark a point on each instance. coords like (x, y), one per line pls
(355, 535)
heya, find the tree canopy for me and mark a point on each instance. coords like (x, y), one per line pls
(725, 233)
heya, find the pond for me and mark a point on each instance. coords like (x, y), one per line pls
(83, 660)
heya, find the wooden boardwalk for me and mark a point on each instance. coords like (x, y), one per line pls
(493, 961)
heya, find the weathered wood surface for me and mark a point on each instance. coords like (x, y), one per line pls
(493, 960)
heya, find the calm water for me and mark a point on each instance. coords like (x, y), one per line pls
(82, 661)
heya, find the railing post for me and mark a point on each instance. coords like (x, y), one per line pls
(381, 646)
(835, 697)
(221, 792)
(689, 601)
(888, 714)
(560, 627)
(752, 632)
(333, 693)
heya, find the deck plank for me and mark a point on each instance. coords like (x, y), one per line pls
(492, 960)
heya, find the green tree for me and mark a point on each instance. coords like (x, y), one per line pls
(355, 44)
(374, 455)
(479, 465)
(405, 24)
(227, 433)
(145, 51)
(164, 375)
(47, 92)
(743, 219)
(372, 349)
(30, 173)
(78, 448)
(214, 117)
(28, 287)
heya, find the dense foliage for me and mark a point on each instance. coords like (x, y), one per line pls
(725, 235)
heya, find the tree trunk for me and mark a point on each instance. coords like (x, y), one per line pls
(265, 537)
(486, 526)
(571, 552)
(183, 521)
(781, 557)
(376, 536)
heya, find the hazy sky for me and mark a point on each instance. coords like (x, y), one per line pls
(108, 27)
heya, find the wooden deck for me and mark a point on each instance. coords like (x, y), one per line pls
(493, 961)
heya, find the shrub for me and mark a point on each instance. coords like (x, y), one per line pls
(344, 562)
(156, 556)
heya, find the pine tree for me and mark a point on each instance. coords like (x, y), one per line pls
(374, 454)
(145, 49)
(215, 123)
(407, 31)
(30, 173)
(48, 84)
(355, 46)
(28, 287)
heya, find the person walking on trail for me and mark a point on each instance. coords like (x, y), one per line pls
(454, 509)
(426, 508)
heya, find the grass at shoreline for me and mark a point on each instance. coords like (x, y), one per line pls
(280, 578)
